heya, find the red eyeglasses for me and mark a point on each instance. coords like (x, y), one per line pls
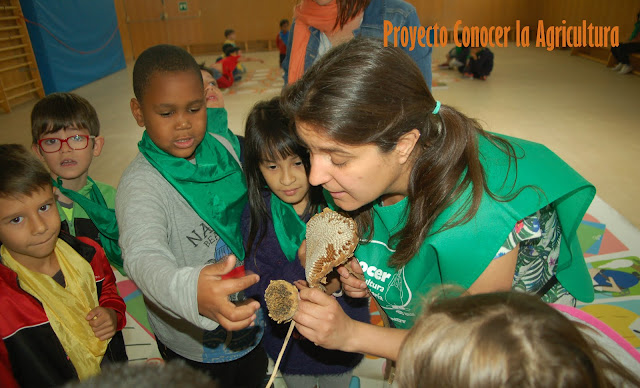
(54, 144)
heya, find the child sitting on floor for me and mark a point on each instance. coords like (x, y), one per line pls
(456, 57)
(229, 63)
(230, 36)
(512, 339)
(61, 313)
(230, 39)
(479, 64)
(65, 134)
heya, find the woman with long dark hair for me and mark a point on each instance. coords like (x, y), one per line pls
(437, 199)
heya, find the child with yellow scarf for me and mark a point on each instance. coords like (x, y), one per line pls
(61, 312)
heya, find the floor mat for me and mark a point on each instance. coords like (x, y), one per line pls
(258, 81)
(270, 80)
(443, 78)
(612, 250)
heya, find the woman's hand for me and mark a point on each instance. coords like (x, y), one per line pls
(321, 320)
(352, 278)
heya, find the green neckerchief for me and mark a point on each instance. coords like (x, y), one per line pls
(290, 229)
(214, 186)
(219, 115)
(102, 217)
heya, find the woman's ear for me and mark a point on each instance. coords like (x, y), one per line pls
(406, 144)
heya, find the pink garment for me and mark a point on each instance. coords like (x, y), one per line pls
(598, 324)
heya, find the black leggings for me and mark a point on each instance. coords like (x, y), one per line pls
(622, 52)
(249, 371)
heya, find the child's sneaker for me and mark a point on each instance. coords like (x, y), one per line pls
(443, 66)
(617, 67)
(625, 69)
(484, 78)
(467, 75)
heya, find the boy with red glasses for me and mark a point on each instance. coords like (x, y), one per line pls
(66, 136)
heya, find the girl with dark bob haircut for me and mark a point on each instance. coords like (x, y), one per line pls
(437, 199)
(281, 202)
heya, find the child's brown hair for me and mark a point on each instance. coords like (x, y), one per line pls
(62, 110)
(21, 173)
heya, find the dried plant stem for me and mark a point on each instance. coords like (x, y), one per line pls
(284, 346)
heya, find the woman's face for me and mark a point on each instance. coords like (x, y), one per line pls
(354, 175)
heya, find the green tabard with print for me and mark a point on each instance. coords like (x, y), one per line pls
(459, 255)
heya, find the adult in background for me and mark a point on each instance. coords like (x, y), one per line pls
(319, 25)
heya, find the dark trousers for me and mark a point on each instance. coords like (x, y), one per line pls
(462, 55)
(248, 371)
(481, 66)
(622, 52)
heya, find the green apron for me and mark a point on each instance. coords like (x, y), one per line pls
(459, 255)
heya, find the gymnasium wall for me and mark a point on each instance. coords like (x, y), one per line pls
(201, 27)
(599, 12)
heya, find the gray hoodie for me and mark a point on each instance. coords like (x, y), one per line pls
(165, 245)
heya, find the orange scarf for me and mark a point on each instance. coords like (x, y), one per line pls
(308, 14)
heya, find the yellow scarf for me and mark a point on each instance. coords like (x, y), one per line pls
(67, 307)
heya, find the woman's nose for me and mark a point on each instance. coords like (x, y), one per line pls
(319, 174)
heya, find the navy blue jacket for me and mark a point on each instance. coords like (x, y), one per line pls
(302, 357)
